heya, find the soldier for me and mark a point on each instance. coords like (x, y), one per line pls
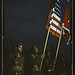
(35, 62)
(16, 61)
(48, 64)
(60, 66)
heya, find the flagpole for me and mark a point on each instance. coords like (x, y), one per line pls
(58, 46)
(45, 47)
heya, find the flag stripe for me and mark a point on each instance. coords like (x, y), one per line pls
(56, 23)
(54, 32)
(57, 5)
(58, 1)
(56, 16)
(55, 29)
(60, 23)
(57, 9)
(57, 13)
(54, 19)
(55, 26)
(66, 29)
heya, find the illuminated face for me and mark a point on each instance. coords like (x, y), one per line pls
(48, 54)
(20, 48)
(36, 50)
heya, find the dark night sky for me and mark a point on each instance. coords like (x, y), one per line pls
(23, 21)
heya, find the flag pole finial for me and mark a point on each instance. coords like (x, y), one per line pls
(63, 24)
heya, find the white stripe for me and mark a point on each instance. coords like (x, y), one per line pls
(50, 21)
(57, 13)
(52, 15)
(56, 16)
(58, 1)
(57, 24)
(66, 29)
(57, 9)
(69, 40)
(55, 29)
(53, 9)
(57, 5)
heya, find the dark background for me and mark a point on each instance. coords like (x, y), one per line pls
(23, 22)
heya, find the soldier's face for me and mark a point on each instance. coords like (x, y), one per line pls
(48, 54)
(20, 48)
(36, 50)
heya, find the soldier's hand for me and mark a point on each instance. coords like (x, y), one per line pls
(43, 55)
(54, 61)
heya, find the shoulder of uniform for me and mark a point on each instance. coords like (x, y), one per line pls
(33, 56)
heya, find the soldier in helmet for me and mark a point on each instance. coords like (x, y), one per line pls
(60, 68)
(35, 61)
(48, 64)
(16, 61)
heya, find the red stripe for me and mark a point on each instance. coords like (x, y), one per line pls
(57, 34)
(56, 26)
(52, 14)
(57, 20)
(55, 31)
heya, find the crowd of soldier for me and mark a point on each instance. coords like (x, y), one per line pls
(19, 65)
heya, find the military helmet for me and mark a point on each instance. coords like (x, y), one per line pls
(19, 44)
(34, 47)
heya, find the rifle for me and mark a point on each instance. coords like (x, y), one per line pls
(13, 47)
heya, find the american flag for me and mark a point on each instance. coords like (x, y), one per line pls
(55, 20)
